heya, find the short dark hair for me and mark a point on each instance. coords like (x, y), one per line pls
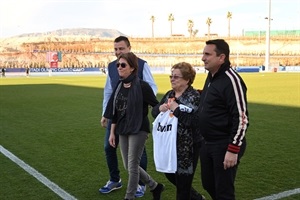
(222, 47)
(123, 38)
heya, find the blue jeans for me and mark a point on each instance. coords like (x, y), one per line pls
(112, 159)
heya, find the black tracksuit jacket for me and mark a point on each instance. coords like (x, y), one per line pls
(223, 113)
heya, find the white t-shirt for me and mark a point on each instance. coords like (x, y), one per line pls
(164, 142)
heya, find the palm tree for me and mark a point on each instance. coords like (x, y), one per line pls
(195, 32)
(229, 16)
(152, 18)
(190, 27)
(208, 22)
(171, 19)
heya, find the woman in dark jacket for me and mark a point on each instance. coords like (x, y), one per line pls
(183, 100)
(128, 109)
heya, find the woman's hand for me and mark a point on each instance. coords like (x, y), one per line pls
(173, 105)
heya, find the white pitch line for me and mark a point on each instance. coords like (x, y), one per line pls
(52, 186)
(281, 195)
(64, 195)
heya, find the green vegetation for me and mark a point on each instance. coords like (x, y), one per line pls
(52, 124)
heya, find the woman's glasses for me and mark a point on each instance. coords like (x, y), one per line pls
(175, 77)
(123, 65)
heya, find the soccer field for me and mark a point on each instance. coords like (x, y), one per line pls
(52, 125)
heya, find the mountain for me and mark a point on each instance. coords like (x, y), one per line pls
(95, 32)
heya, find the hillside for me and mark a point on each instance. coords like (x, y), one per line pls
(94, 32)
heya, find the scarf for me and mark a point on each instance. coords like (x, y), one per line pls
(134, 110)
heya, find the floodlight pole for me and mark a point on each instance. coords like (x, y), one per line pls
(267, 59)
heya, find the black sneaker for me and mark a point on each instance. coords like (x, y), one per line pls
(196, 195)
(157, 191)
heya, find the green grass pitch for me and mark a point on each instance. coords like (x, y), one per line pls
(52, 124)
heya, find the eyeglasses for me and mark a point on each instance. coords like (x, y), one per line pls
(175, 77)
(123, 65)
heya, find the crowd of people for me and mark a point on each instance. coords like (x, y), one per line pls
(210, 127)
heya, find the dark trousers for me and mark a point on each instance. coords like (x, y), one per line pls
(183, 182)
(219, 183)
(112, 159)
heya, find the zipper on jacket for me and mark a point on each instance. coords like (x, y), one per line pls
(205, 96)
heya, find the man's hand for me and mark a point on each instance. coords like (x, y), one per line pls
(230, 160)
(112, 140)
(103, 122)
(163, 107)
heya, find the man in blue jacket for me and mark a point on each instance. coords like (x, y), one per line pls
(223, 121)
(121, 45)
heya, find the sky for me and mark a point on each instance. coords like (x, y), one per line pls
(132, 17)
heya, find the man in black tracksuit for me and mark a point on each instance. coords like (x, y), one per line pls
(223, 121)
